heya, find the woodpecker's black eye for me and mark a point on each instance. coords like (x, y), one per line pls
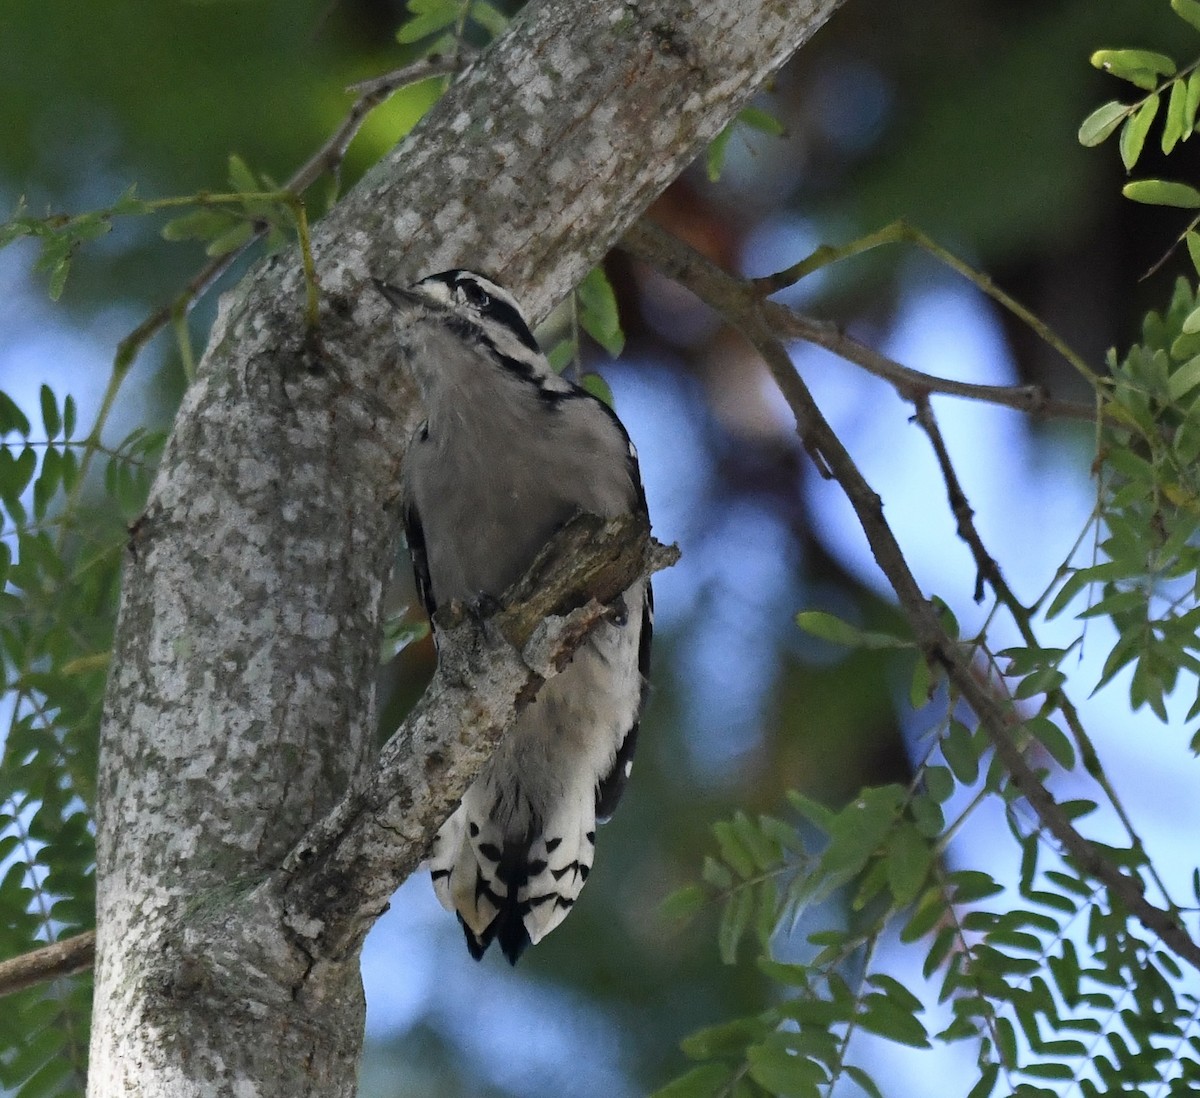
(474, 294)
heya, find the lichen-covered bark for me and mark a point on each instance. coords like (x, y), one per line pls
(240, 704)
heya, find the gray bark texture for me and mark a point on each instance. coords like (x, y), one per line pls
(248, 831)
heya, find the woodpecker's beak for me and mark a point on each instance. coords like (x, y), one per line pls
(401, 299)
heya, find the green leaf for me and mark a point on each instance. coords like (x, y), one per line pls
(50, 417)
(761, 120)
(398, 633)
(958, 749)
(972, 885)
(939, 782)
(1192, 104)
(488, 18)
(860, 829)
(725, 1038)
(884, 1016)
(896, 992)
(813, 811)
(11, 417)
(1188, 10)
(59, 268)
(1191, 322)
(1187, 377)
(735, 919)
(1076, 582)
(48, 481)
(701, 1082)
(1175, 127)
(783, 1073)
(802, 1010)
(68, 416)
(908, 861)
(562, 355)
(732, 851)
(598, 387)
(817, 623)
(598, 311)
(241, 178)
(1133, 134)
(232, 240)
(203, 224)
(766, 854)
(1053, 739)
(920, 690)
(1102, 122)
(1006, 1040)
(987, 1082)
(1140, 67)
(16, 472)
(865, 1082)
(943, 943)
(1161, 192)
(928, 816)
(1192, 239)
(716, 874)
(682, 904)
(429, 17)
(714, 159)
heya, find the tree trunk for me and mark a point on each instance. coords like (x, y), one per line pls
(236, 874)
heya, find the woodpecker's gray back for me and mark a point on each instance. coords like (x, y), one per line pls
(508, 453)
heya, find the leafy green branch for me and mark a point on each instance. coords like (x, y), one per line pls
(1159, 76)
(1016, 944)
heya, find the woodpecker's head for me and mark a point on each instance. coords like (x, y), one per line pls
(476, 310)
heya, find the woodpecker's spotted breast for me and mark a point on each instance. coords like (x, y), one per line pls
(508, 452)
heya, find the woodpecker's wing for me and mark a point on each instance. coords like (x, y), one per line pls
(414, 535)
(612, 785)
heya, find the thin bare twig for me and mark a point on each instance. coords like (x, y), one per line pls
(901, 232)
(910, 383)
(741, 305)
(987, 569)
(65, 958)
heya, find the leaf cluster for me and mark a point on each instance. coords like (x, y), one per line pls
(1164, 82)
(1147, 577)
(442, 26)
(750, 118)
(59, 574)
(1052, 986)
(224, 222)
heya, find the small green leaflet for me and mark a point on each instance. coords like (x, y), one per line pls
(1162, 192)
(598, 311)
(817, 623)
(1102, 122)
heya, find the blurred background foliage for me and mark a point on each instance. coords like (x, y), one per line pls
(958, 115)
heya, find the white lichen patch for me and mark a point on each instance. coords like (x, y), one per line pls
(569, 61)
(450, 217)
(406, 225)
(310, 927)
(560, 171)
(534, 92)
